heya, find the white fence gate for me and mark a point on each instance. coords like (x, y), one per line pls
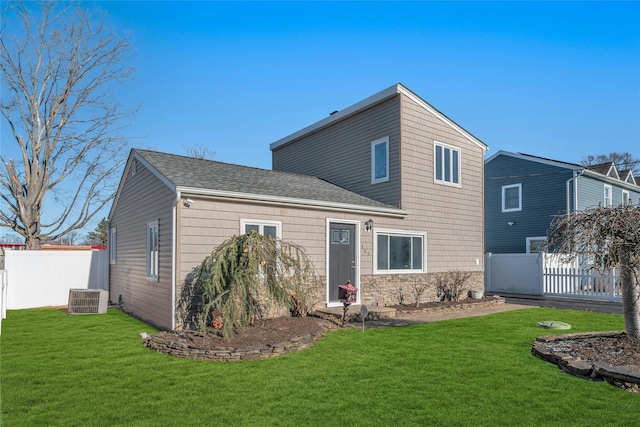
(43, 278)
(544, 274)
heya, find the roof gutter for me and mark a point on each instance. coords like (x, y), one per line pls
(174, 227)
(296, 202)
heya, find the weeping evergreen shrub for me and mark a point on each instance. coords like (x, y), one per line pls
(249, 274)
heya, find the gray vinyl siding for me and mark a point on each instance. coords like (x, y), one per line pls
(591, 193)
(341, 153)
(143, 199)
(209, 222)
(452, 216)
(544, 195)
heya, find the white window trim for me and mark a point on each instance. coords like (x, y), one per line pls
(153, 273)
(375, 143)
(112, 245)
(261, 223)
(452, 148)
(607, 201)
(628, 197)
(529, 239)
(506, 187)
(405, 233)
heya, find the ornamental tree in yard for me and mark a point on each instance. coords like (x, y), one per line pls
(611, 236)
(250, 274)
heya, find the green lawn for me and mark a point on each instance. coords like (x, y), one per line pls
(92, 370)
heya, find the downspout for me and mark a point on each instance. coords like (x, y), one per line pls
(574, 178)
(174, 227)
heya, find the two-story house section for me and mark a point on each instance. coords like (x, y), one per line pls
(523, 193)
(385, 194)
(397, 149)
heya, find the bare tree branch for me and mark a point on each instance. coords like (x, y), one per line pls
(58, 65)
(611, 237)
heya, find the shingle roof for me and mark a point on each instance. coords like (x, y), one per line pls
(602, 168)
(210, 175)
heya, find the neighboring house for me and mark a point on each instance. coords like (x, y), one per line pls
(385, 193)
(523, 193)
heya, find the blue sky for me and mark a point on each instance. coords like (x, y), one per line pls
(555, 79)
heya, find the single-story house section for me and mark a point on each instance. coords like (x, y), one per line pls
(385, 193)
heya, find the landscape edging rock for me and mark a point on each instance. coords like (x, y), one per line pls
(598, 371)
(185, 350)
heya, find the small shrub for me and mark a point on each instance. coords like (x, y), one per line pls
(400, 293)
(418, 288)
(451, 285)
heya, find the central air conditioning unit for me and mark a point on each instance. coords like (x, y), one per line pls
(88, 301)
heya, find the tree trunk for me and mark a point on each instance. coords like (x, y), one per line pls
(630, 295)
(32, 243)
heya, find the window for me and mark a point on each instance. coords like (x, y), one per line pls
(398, 251)
(112, 246)
(512, 198)
(608, 199)
(380, 160)
(447, 164)
(626, 199)
(262, 227)
(152, 249)
(536, 244)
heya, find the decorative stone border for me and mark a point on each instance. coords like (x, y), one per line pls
(598, 371)
(179, 347)
(490, 301)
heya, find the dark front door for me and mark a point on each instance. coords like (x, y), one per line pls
(342, 257)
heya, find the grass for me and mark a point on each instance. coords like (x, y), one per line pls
(65, 370)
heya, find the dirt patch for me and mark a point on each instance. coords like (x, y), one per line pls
(620, 349)
(610, 356)
(264, 332)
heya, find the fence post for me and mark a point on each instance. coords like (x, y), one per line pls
(487, 272)
(541, 271)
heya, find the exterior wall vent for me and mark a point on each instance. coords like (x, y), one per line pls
(88, 301)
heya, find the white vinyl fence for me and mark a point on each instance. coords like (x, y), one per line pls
(544, 274)
(43, 278)
(3, 296)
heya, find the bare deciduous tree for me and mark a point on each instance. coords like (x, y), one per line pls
(58, 65)
(198, 151)
(611, 236)
(623, 161)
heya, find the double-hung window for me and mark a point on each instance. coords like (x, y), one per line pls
(399, 251)
(512, 198)
(262, 227)
(380, 160)
(608, 196)
(446, 164)
(152, 249)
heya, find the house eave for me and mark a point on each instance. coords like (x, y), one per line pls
(369, 102)
(293, 202)
(611, 180)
